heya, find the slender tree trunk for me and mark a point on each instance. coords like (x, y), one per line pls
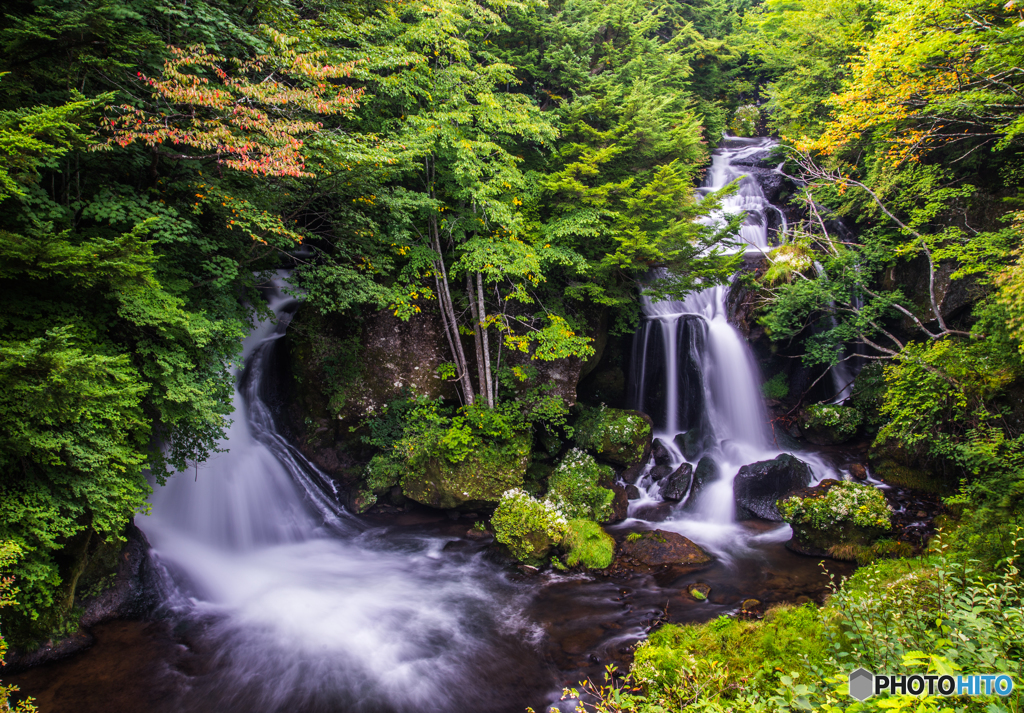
(475, 312)
(445, 298)
(482, 309)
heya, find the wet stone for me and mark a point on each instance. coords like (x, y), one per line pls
(858, 472)
(657, 547)
(677, 484)
(632, 492)
(661, 453)
(660, 471)
(699, 591)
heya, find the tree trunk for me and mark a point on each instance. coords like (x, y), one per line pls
(444, 297)
(475, 312)
(482, 309)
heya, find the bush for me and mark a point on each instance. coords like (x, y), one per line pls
(589, 545)
(527, 526)
(841, 422)
(573, 488)
(776, 388)
(744, 121)
(843, 503)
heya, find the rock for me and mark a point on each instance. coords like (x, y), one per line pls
(632, 492)
(677, 484)
(759, 485)
(622, 437)
(706, 472)
(480, 479)
(659, 472)
(632, 473)
(750, 606)
(620, 505)
(528, 569)
(858, 472)
(657, 547)
(691, 443)
(699, 591)
(660, 452)
(922, 514)
(475, 534)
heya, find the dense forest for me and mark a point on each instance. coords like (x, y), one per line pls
(519, 172)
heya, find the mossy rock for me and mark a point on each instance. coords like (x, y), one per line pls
(656, 547)
(619, 436)
(896, 473)
(480, 479)
(588, 545)
(828, 522)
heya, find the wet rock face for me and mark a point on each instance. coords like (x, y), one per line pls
(677, 484)
(481, 479)
(115, 578)
(757, 486)
(660, 452)
(657, 547)
(706, 472)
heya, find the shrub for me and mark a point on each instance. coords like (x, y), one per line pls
(844, 503)
(573, 488)
(744, 121)
(589, 545)
(841, 421)
(527, 526)
(776, 387)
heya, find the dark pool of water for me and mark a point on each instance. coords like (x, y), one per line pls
(583, 622)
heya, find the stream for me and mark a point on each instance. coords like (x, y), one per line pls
(277, 599)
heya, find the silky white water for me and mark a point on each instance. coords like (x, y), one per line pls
(733, 421)
(306, 609)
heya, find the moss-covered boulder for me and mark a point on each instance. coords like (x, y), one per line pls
(829, 424)
(574, 488)
(616, 435)
(481, 478)
(529, 527)
(588, 545)
(836, 519)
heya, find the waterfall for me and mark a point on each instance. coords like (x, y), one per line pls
(306, 608)
(695, 375)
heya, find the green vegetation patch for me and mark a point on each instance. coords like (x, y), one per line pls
(573, 488)
(616, 435)
(527, 526)
(588, 545)
(839, 423)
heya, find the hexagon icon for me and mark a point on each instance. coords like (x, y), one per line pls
(862, 684)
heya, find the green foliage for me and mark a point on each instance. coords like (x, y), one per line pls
(588, 545)
(845, 502)
(613, 433)
(744, 121)
(573, 488)
(9, 554)
(776, 387)
(527, 526)
(843, 421)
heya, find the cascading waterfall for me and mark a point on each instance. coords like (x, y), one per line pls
(307, 609)
(695, 375)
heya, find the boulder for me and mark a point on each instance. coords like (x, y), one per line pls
(677, 484)
(616, 435)
(858, 472)
(659, 472)
(705, 473)
(692, 443)
(478, 480)
(632, 474)
(632, 492)
(757, 486)
(657, 547)
(660, 452)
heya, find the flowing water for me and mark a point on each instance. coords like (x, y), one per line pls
(277, 599)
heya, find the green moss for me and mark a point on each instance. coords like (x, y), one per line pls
(904, 476)
(573, 488)
(786, 640)
(616, 435)
(527, 526)
(493, 468)
(588, 545)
